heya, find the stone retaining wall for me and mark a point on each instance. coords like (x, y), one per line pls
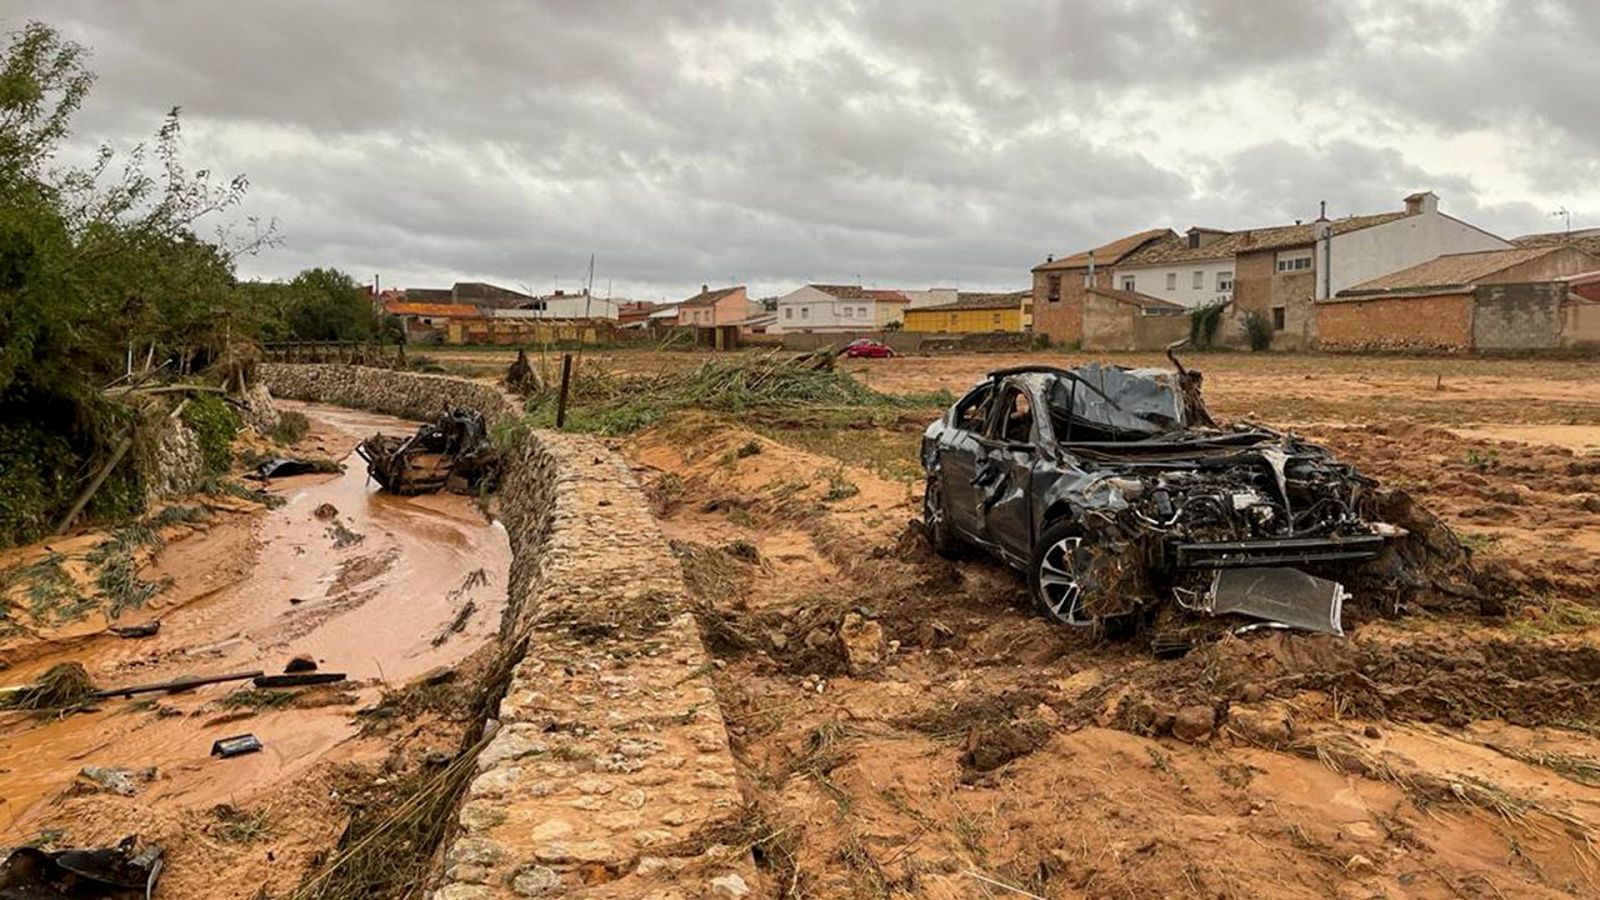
(609, 773)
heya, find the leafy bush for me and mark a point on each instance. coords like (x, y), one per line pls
(1258, 331)
(1203, 324)
(36, 469)
(214, 424)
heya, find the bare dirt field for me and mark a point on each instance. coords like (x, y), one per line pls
(906, 726)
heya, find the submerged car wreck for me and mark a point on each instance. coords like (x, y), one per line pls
(1119, 495)
(453, 452)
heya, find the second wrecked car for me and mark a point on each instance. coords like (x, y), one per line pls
(1116, 492)
(452, 452)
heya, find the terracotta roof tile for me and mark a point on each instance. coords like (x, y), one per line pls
(442, 310)
(710, 298)
(843, 291)
(979, 300)
(1453, 270)
(1587, 240)
(1106, 254)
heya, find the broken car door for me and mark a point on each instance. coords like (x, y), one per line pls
(1004, 472)
(958, 458)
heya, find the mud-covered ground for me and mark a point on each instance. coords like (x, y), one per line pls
(403, 595)
(907, 727)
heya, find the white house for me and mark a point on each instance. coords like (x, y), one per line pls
(1202, 267)
(1194, 270)
(1346, 258)
(826, 308)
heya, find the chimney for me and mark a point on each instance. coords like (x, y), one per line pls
(1322, 211)
(1422, 202)
(1050, 257)
(705, 288)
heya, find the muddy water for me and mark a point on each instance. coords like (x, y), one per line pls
(375, 592)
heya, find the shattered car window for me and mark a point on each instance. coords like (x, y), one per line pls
(973, 410)
(1017, 424)
(1113, 403)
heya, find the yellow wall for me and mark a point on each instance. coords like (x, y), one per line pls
(964, 321)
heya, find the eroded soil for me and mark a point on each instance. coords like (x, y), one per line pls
(382, 588)
(906, 726)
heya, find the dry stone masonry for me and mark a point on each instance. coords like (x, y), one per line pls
(608, 773)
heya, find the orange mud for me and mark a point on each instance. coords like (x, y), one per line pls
(905, 726)
(250, 591)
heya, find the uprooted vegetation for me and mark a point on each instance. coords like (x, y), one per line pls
(605, 401)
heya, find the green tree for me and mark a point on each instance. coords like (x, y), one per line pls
(328, 305)
(95, 261)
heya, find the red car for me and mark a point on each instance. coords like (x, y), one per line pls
(866, 348)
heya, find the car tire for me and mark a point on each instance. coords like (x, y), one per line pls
(1053, 582)
(936, 520)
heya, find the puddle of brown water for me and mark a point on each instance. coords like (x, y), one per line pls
(372, 609)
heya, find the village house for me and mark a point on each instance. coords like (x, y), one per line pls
(970, 313)
(888, 307)
(1060, 285)
(1516, 299)
(709, 308)
(827, 308)
(1192, 271)
(1276, 273)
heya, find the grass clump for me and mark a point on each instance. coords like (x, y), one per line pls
(232, 825)
(117, 577)
(292, 427)
(61, 686)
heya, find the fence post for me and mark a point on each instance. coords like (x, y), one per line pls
(561, 398)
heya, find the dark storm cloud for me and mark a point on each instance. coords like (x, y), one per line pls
(909, 143)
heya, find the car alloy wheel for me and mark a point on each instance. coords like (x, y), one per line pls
(934, 521)
(1057, 582)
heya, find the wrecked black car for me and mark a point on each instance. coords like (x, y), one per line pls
(453, 452)
(1116, 492)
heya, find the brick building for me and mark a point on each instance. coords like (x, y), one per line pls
(1060, 285)
(1515, 299)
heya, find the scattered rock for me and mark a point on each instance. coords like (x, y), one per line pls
(300, 664)
(1359, 865)
(730, 886)
(1194, 723)
(817, 638)
(988, 749)
(1268, 727)
(1372, 731)
(537, 881)
(124, 782)
(863, 643)
(326, 511)
(934, 633)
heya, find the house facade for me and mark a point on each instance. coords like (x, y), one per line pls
(1060, 285)
(971, 313)
(826, 308)
(1192, 271)
(1281, 272)
(711, 308)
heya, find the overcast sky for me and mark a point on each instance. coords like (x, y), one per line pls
(900, 144)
